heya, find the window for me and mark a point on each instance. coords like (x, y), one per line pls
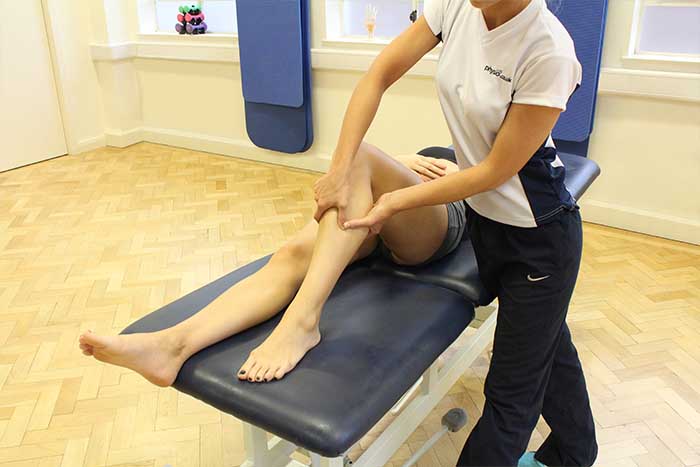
(667, 27)
(220, 15)
(368, 20)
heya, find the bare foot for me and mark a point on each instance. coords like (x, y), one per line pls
(281, 351)
(155, 356)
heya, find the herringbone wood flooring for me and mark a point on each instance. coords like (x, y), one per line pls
(98, 240)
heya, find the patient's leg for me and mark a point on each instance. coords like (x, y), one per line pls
(158, 356)
(413, 236)
(298, 331)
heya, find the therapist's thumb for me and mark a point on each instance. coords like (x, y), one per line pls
(356, 224)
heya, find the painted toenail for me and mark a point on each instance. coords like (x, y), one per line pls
(242, 372)
(259, 378)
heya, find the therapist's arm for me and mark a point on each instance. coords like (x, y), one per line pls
(332, 190)
(390, 65)
(524, 130)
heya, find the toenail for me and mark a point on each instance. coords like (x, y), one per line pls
(242, 372)
(259, 378)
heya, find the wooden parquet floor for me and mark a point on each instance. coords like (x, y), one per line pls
(98, 240)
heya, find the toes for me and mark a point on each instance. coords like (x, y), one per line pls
(87, 350)
(244, 372)
(270, 374)
(260, 372)
(250, 375)
(279, 374)
(92, 339)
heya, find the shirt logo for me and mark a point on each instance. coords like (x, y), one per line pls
(498, 74)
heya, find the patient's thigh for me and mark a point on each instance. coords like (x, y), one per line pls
(414, 235)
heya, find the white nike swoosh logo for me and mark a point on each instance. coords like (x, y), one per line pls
(536, 279)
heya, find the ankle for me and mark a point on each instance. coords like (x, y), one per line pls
(308, 321)
(173, 341)
(303, 313)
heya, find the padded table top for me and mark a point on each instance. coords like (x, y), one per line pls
(581, 172)
(457, 271)
(380, 333)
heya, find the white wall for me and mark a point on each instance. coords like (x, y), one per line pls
(649, 152)
(648, 148)
(205, 99)
(68, 24)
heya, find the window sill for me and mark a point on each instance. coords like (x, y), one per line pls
(360, 40)
(224, 49)
(662, 63)
(360, 43)
(663, 58)
(331, 58)
(616, 81)
(175, 38)
(684, 87)
(171, 46)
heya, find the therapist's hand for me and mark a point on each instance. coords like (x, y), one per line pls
(332, 191)
(428, 168)
(382, 211)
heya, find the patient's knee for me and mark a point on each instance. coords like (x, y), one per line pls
(295, 254)
(365, 149)
(366, 153)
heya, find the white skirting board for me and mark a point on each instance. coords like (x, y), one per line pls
(122, 139)
(239, 148)
(637, 220)
(88, 144)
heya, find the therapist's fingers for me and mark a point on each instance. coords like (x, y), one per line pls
(341, 218)
(422, 171)
(321, 208)
(433, 169)
(442, 163)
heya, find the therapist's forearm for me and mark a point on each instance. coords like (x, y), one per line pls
(454, 187)
(522, 132)
(358, 117)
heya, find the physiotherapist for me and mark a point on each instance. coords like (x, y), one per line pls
(506, 71)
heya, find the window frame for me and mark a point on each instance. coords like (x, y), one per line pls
(327, 54)
(148, 23)
(344, 40)
(660, 59)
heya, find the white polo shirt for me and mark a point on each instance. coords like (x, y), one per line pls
(528, 60)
